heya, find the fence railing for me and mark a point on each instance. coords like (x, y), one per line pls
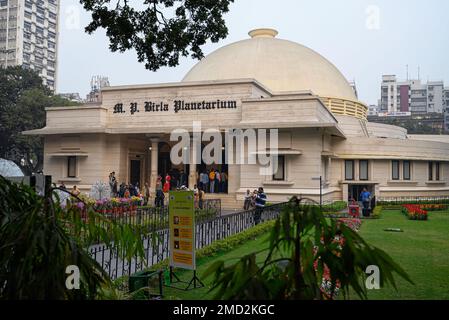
(412, 200)
(157, 247)
(156, 218)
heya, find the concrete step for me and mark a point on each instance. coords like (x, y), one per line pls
(228, 201)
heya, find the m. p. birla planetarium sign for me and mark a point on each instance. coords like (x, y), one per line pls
(176, 106)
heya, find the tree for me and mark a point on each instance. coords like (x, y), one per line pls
(23, 99)
(39, 239)
(307, 258)
(161, 32)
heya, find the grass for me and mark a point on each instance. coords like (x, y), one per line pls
(422, 250)
(230, 257)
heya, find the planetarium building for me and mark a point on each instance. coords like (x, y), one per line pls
(259, 83)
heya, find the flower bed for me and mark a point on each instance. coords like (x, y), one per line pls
(414, 212)
(352, 223)
(109, 207)
(326, 284)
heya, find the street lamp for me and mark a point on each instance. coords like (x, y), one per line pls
(320, 178)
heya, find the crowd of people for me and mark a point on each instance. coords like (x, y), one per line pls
(213, 181)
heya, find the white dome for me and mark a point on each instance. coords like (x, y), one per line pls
(280, 65)
(9, 169)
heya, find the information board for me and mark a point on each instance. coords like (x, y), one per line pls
(182, 229)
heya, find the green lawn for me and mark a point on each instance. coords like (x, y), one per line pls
(257, 244)
(422, 250)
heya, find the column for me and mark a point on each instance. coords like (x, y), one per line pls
(345, 191)
(154, 163)
(193, 161)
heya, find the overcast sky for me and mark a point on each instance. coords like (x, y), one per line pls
(364, 39)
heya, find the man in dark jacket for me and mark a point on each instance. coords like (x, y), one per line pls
(261, 199)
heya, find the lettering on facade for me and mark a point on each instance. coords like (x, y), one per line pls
(177, 106)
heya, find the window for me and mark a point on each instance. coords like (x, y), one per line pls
(71, 167)
(27, 26)
(395, 169)
(363, 169)
(349, 170)
(40, 20)
(430, 171)
(434, 171)
(437, 171)
(406, 172)
(280, 174)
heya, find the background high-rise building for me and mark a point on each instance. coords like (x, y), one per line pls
(446, 108)
(29, 36)
(411, 96)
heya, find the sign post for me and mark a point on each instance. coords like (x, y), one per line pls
(182, 234)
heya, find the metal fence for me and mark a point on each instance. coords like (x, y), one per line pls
(434, 199)
(157, 248)
(154, 218)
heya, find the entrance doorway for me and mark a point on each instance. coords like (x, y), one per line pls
(134, 176)
(356, 189)
(222, 168)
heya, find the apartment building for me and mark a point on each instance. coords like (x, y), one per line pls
(29, 36)
(411, 96)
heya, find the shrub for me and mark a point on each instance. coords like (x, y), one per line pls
(418, 201)
(377, 212)
(219, 246)
(335, 207)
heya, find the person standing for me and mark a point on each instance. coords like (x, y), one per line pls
(253, 199)
(365, 196)
(212, 180)
(224, 181)
(146, 193)
(217, 181)
(159, 198)
(205, 181)
(111, 184)
(167, 183)
(247, 202)
(200, 198)
(115, 189)
(183, 179)
(127, 192)
(121, 192)
(261, 199)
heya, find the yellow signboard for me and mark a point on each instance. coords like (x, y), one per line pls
(182, 229)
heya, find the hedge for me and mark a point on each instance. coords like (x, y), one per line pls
(401, 202)
(335, 207)
(219, 246)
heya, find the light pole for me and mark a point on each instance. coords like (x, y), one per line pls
(320, 178)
